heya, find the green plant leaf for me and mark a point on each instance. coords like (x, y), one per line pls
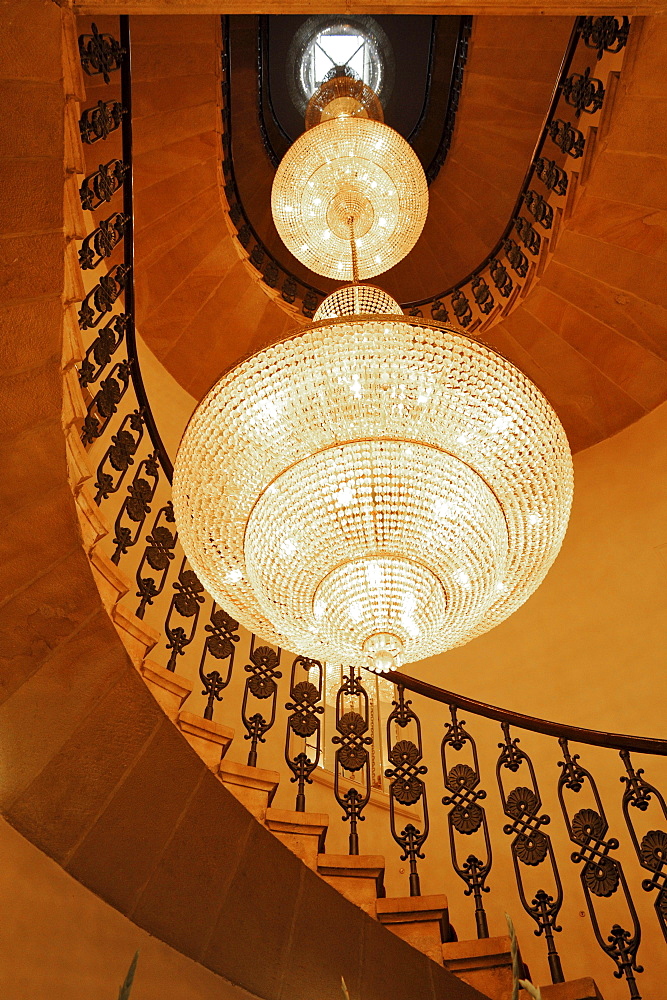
(529, 988)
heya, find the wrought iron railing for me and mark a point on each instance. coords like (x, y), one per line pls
(169, 622)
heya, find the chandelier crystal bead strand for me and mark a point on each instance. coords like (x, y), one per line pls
(374, 489)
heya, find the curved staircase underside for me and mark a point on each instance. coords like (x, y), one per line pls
(591, 332)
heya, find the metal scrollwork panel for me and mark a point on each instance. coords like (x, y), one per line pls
(651, 850)
(100, 53)
(100, 244)
(304, 724)
(584, 93)
(529, 236)
(102, 349)
(220, 643)
(482, 294)
(552, 176)
(352, 755)
(461, 308)
(531, 846)
(606, 34)
(539, 208)
(406, 785)
(100, 187)
(185, 605)
(501, 278)
(100, 300)
(601, 874)
(158, 555)
(136, 507)
(260, 685)
(439, 312)
(466, 816)
(119, 456)
(96, 124)
(516, 257)
(568, 138)
(104, 403)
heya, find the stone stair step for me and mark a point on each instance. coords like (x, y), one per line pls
(254, 787)
(169, 689)
(304, 833)
(210, 739)
(422, 921)
(574, 989)
(358, 877)
(485, 963)
(136, 635)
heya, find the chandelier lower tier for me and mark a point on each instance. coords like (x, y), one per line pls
(373, 490)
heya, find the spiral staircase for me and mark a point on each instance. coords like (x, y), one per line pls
(106, 768)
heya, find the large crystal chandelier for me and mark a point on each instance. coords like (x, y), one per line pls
(374, 489)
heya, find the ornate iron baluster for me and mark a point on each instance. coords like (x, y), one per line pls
(406, 785)
(102, 349)
(482, 294)
(222, 629)
(119, 455)
(601, 874)
(100, 244)
(352, 755)
(530, 238)
(605, 34)
(455, 88)
(540, 209)
(270, 273)
(652, 850)
(461, 308)
(516, 257)
(98, 123)
(439, 312)
(100, 299)
(101, 186)
(304, 724)
(185, 602)
(552, 176)
(101, 54)
(466, 816)
(531, 846)
(261, 684)
(501, 278)
(566, 137)
(158, 553)
(584, 93)
(136, 506)
(309, 305)
(288, 291)
(105, 402)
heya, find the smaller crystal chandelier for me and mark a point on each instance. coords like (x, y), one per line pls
(374, 489)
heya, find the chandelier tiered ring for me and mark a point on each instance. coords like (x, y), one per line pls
(374, 489)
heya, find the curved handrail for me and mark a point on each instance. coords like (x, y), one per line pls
(593, 737)
(128, 255)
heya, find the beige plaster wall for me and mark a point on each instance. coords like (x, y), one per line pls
(588, 648)
(60, 940)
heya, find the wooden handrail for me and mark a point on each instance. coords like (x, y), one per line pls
(593, 737)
